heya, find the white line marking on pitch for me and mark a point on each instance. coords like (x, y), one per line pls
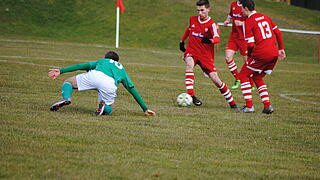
(286, 96)
(140, 64)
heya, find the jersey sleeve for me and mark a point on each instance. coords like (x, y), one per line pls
(127, 83)
(138, 98)
(248, 32)
(230, 12)
(83, 66)
(215, 34)
(278, 34)
(186, 34)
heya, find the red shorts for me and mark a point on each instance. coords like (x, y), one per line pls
(262, 65)
(207, 65)
(237, 44)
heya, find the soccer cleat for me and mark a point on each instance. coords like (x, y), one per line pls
(100, 110)
(234, 106)
(196, 101)
(268, 110)
(236, 85)
(56, 106)
(245, 109)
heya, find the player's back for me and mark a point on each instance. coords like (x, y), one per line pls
(115, 70)
(265, 41)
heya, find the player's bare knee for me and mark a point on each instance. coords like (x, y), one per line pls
(73, 81)
(228, 59)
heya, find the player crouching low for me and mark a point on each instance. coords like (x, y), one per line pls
(103, 75)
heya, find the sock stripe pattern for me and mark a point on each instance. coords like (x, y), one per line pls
(233, 68)
(189, 83)
(227, 94)
(246, 90)
(247, 93)
(264, 94)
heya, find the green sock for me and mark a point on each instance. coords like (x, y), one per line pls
(107, 109)
(66, 90)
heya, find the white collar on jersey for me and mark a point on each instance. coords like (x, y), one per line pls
(238, 3)
(202, 22)
(253, 12)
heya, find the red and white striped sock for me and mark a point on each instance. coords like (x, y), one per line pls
(233, 68)
(247, 94)
(263, 90)
(189, 83)
(227, 94)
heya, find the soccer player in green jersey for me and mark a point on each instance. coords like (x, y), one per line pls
(103, 75)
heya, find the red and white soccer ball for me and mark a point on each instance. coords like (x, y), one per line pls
(184, 100)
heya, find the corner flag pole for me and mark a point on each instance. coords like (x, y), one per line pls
(120, 6)
(117, 27)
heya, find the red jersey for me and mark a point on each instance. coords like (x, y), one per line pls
(236, 14)
(260, 30)
(196, 31)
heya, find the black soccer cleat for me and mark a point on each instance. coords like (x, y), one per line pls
(100, 110)
(235, 107)
(56, 106)
(196, 101)
(268, 110)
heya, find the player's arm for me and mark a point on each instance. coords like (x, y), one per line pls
(132, 90)
(54, 73)
(215, 36)
(139, 100)
(229, 17)
(184, 37)
(277, 32)
(249, 37)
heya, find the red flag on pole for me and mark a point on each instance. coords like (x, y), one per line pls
(120, 5)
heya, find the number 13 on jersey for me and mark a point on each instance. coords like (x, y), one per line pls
(265, 29)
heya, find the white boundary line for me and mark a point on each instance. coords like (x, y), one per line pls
(286, 96)
(287, 30)
(128, 63)
(107, 47)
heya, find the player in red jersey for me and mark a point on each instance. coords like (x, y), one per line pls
(236, 40)
(262, 35)
(203, 34)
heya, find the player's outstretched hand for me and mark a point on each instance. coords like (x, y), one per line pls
(54, 73)
(281, 55)
(225, 23)
(182, 48)
(149, 113)
(206, 40)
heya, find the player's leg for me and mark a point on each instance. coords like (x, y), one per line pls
(262, 87)
(66, 88)
(244, 75)
(225, 92)
(189, 80)
(263, 91)
(106, 94)
(103, 108)
(231, 49)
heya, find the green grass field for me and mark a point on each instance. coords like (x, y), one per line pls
(204, 142)
(207, 142)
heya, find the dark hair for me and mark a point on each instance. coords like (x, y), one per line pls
(205, 3)
(112, 55)
(248, 4)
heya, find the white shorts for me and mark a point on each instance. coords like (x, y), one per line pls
(104, 84)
